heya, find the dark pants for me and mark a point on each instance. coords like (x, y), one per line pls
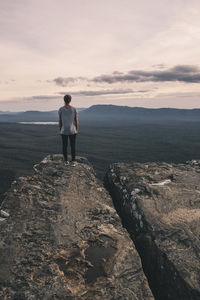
(72, 139)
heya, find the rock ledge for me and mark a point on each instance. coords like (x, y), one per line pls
(64, 239)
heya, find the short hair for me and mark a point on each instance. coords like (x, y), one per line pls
(67, 99)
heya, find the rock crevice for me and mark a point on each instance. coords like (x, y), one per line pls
(159, 205)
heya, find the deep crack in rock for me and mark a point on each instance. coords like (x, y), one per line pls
(159, 205)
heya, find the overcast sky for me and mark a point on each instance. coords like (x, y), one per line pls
(124, 52)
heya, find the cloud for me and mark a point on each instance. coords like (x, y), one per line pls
(41, 97)
(82, 93)
(9, 81)
(187, 95)
(105, 92)
(159, 66)
(181, 73)
(65, 81)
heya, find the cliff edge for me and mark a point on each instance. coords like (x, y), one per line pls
(159, 204)
(64, 239)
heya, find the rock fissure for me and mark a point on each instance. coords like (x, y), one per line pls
(63, 239)
(161, 222)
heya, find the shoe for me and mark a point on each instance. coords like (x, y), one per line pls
(66, 163)
(4, 214)
(73, 163)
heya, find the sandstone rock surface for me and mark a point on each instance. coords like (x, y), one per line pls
(159, 204)
(64, 239)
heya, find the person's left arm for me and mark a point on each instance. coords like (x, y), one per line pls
(60, 123)
(60, 120)
(76, 120)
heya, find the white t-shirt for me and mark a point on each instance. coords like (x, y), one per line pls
(67, 114)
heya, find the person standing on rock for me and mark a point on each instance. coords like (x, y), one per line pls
(68, 125)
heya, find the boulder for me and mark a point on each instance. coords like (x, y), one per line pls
(159, 204)
(64, 240)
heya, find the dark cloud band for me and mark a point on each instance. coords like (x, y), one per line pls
(86, 93)
(181, 73)
(65, 81)
(105, 92)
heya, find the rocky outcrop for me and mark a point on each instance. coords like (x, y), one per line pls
(159, 204)
(64, 240)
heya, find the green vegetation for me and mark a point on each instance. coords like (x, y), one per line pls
(22, 146)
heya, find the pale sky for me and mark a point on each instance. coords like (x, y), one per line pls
(124, 52)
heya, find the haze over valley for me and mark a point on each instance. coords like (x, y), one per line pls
(106, 134)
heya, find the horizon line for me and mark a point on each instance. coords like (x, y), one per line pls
(154, 108)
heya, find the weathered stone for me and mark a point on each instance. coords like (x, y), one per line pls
(64, 240)
(159, 204)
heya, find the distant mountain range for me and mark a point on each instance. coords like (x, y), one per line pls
(109, 113)
(140, 113)
(31, 116)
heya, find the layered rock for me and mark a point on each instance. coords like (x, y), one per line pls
(64, 239)
(159, 204)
